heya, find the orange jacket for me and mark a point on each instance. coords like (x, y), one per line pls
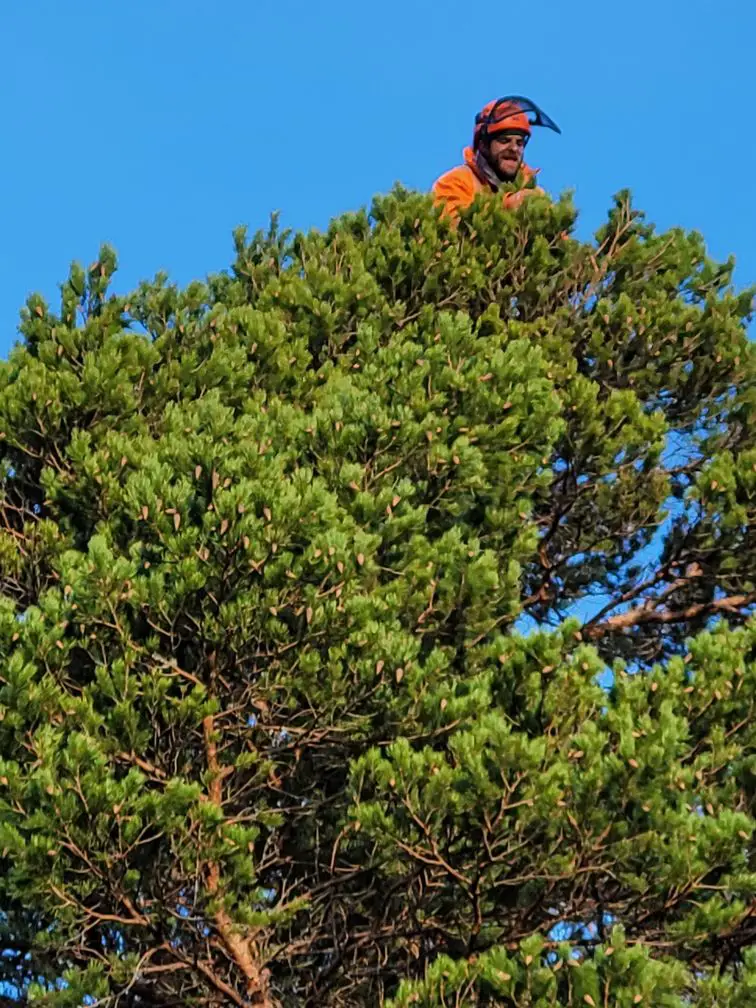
(457, 188)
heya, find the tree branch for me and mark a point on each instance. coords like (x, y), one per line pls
(241, 950)
(645, 616)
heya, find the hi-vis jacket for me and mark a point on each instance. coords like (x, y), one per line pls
(458, 188)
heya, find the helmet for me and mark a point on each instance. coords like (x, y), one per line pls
(512, 113)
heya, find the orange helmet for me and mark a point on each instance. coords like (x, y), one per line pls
(510, 114)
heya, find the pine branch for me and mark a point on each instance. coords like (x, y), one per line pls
(242, 950)
(647, 616)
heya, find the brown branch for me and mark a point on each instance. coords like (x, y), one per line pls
(221, 985)
(644, 616)
(242, 950)
(633, 593)
(139, 920)
(148, 768)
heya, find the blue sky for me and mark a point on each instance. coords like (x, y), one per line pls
(159, 125)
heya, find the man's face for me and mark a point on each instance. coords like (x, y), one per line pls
(507, 150)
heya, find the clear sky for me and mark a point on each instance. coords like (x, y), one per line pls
(159, 125)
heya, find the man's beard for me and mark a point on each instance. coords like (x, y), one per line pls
(491, 171)
(506, 176)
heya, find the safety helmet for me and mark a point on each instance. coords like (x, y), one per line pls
(511, 114)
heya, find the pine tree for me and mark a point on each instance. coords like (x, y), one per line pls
(375, 623)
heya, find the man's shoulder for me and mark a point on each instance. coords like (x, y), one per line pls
(460, 175)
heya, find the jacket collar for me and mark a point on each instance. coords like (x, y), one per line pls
(486, 175)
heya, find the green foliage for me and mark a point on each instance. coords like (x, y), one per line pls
(374, 624)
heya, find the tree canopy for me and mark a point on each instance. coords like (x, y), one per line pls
(374, 623)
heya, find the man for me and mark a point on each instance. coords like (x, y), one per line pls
(502, 131)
